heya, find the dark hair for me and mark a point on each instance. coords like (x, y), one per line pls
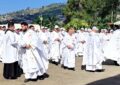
(24, 23)
(31, 26)
(117, 26)
(10, 24)
(68, 28)
(4, 27)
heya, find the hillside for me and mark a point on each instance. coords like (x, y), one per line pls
(29, 14)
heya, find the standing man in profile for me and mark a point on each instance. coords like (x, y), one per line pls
(9, 55)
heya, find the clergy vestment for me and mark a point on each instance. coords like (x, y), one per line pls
(112, 50)
(55, 46)
(45, 43)
(95, 57)
(1, 43)
(9, 55)
(32, 61)
(80, 39)
(85, 47)
(68, 54)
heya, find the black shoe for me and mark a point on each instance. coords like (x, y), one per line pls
(83, 67)
(65, 67)
(41, 77)
(26, 80)
(100, 70)
(73, 69)
(33, 80)
(116, 63)
(46, 75)
(90, 71)
(12, 78)
(6, 77)
(56, 63)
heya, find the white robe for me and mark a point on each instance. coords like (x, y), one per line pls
(55, 46)
(33, 64)
(80, 38)
(68, 55)
(9, 53)
(112, 50)
(63, 33)
(95, 57)
(85, 47)
(44, 37)
(1, 43)
(61, 36)
(18, 37)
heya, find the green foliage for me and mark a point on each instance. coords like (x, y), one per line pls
(93, 12)
(77, 23)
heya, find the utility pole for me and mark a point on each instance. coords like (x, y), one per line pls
(41, 20)
(112, 14)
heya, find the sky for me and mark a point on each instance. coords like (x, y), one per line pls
(7, 6)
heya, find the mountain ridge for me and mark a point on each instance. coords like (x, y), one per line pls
(29, 14)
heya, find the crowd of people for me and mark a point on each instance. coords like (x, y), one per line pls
(25, 50)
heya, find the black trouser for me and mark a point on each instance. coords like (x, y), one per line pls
(11, 70)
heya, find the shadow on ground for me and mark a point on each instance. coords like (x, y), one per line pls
(115, 80)
(108, 62)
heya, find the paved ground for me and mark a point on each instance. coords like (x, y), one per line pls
(59, 76)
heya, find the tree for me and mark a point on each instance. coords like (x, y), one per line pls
(94, 12)
(77, 23)
(72, 9)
